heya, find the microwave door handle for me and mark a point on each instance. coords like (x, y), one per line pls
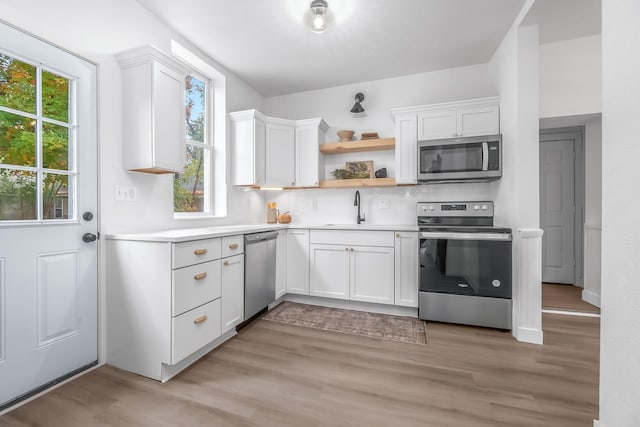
(485, 156)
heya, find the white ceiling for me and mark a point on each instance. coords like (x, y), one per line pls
(266, 43)
(565, 19)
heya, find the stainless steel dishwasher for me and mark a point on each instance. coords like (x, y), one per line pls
(259, 271)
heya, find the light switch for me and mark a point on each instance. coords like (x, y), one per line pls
(126, 193)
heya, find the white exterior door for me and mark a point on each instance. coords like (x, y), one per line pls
(557, 210)
(48, 180)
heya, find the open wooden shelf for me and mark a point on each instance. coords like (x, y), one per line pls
(347, 183)
(358, 146)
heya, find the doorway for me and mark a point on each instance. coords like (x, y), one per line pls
(48, 215)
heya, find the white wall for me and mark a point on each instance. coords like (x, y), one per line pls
(620, 322)
(571, 77)
(593, 211)
(333, 104)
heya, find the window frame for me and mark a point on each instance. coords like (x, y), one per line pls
(72, 149)
(207, 146)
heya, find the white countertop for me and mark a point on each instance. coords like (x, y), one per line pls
(186, 234)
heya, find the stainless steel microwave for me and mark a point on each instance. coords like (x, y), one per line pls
(476, 158)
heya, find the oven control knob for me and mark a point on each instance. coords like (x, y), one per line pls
(431, 207)
(485, 207)
(495, 283)
(424, 208)
(476, 207)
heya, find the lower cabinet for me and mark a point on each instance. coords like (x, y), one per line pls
(194, 329)
(232, 312)
(281, 263)
(329, 271)
(406, 269)
(349, 269)
(298, 261)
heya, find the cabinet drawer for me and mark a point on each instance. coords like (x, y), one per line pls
(352, 237)
(195, 252)
(194, 329)
(232, 245)
(195, 285)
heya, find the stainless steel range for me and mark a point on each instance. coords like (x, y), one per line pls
(465, 265)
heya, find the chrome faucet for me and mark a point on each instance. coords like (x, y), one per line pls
(356, 202)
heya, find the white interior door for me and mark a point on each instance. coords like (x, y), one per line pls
(557, 210)
(48, 180)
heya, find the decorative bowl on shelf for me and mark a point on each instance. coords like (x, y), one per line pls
(345, 135)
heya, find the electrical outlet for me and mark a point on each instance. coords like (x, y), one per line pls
(381, 204)
(125, 193)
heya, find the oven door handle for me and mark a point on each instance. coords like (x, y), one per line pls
(505, 237)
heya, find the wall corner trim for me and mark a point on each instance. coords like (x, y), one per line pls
(591, 298)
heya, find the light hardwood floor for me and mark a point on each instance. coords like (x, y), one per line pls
(565, 297)
(274, 374)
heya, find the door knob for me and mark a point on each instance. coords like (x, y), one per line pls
(89, 237)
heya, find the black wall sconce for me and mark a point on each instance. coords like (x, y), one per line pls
(357, 108)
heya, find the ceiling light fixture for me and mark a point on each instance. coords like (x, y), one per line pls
(319, 16)
(357, 108)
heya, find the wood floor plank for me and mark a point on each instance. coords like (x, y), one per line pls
(565, 297)
(275, 374)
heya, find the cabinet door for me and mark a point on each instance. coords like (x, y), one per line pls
(372, 278)
(406, 148)
(168, 119)
(307, 156)
(406, 269)
(329, 271)
(298, 262)
(259, 151)
(478, 121)
(232, 299)
(247, 149)
(281, 263)
(279, 160)
(436, 124)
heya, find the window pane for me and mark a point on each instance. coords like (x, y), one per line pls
(55, 146)
(188, 188)
(195, 96)
(17, 84)
(17, 195)
(55, 187)
(17, 140)
(55, 96)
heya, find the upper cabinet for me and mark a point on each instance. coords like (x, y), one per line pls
(153, 113)
(268, 151)
(459, 119)
(248, 134)
(475, 117)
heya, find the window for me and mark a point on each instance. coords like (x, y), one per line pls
(192, 189)
(37, 134)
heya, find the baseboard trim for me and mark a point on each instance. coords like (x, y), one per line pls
(532, 336)
(596, 423)
(570, 313)
(591, 298)
(352, 305)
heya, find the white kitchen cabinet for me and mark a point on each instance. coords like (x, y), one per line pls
(310, 134)
(232, 305)
(406, 150)
(329, 271)
(372, 274)
(153, 113)
(406, 269)
(298, 261)
(437, 124)
(248, 147)
(354, 265)
(281, 263)
(460, 119)
(173, 301)
(280, 152)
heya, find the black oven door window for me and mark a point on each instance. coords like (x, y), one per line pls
(451, 158)
(466, 267)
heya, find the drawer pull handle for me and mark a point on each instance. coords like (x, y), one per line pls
(200, 319)
(200, 251)
(200, 276)
(233, 246)
(232, 262)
